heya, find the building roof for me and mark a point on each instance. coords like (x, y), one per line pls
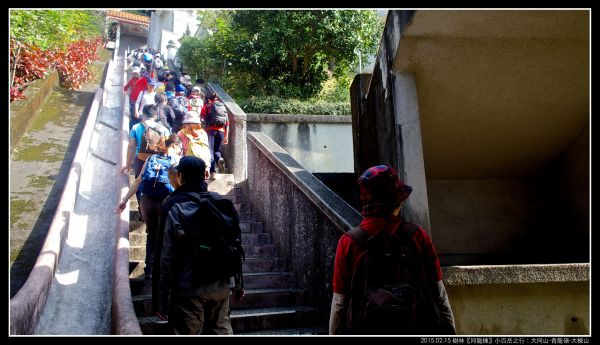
(128, 17)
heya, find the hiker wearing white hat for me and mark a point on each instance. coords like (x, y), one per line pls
(194, 139)
(196, 100)
(135, 86)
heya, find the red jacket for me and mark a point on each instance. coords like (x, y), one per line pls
(348, 251)
(137, 85)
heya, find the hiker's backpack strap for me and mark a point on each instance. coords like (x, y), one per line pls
(359, 235)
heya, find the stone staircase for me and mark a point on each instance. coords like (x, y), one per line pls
(273, 304)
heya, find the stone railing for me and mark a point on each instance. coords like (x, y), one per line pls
(304, 217)
(124, 320)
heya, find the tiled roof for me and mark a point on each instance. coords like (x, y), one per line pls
(128, 17)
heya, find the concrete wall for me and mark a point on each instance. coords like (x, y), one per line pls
(386, 120)
(520, 300)
(482, 112)
(23, 111)
(304, 217)
(320, 143)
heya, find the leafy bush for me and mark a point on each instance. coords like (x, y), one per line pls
(33, 63)
(41, 39)
(277, 105)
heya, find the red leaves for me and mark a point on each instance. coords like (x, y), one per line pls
(32, 63)
(71, 65)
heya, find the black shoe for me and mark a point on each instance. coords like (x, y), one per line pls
(140, 218)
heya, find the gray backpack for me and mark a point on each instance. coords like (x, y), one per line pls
(217, 116)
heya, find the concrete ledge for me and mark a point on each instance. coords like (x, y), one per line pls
(338, 211)
(23, 111)
(124, 320)
(254, 117)
(516, 274)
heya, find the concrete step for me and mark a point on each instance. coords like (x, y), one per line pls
(254, 298)
(261, 251)
(257, 239)
(136, 226)
(252, 280)
(223, 184)
(299, 320)
(316, 330)
(260, 319)
(260, 298)
(266, 280)
(263, 265)
(152, 325)
(242, 207)
(136, 268)
(249, 217)
(137, 253)
(252, 227)
(137, 239)
(140, 286)
(142, 304)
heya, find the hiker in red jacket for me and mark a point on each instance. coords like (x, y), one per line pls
(135, 85)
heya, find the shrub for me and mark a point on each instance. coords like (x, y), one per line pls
(277, 105)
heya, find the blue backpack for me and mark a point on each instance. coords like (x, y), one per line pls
(155, 178)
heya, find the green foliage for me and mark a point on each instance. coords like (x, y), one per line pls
(278, 105)
(54, 29)
(284, 53)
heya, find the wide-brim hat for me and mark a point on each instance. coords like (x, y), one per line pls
(191, 117)
(381, 190)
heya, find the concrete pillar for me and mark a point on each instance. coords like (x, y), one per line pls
(410, 166)
(360, 125)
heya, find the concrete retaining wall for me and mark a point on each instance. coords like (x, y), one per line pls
(304, 217)
(23, 111)
(320, 143)
(520, 300)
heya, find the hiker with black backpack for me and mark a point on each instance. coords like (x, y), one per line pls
(387, 277)
(215, 118)
(143, 140)
(201, 256)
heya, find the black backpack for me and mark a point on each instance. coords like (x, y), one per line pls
(388, 292)
(214, 238)
(217, 115)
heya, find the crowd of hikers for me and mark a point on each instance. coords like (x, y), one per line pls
(387, 277)
(177, 128)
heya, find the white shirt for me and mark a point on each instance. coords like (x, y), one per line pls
(143, 99)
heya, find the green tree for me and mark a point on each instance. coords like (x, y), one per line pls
(288, 53)
(54, 29)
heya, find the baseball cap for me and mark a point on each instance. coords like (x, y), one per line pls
(192, 168)
(135, 69)
(196, 88)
